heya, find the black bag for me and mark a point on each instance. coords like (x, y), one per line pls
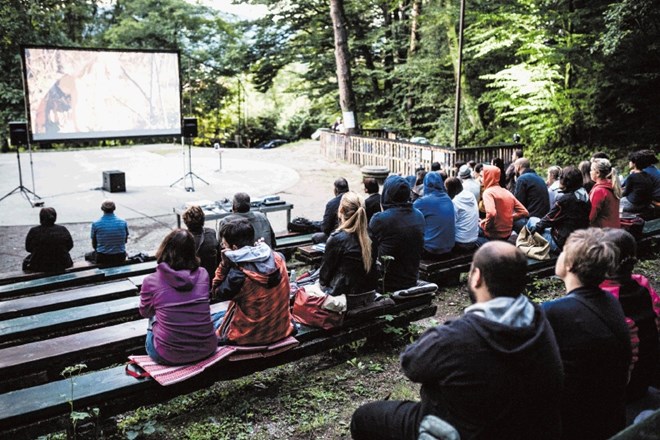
(303, 225)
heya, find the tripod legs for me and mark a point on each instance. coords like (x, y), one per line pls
(190, 173)
(20, 188)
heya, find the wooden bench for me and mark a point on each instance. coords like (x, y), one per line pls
(287, 244)
(28, 412)
(310, 255)
(52, 282)
(16, 276)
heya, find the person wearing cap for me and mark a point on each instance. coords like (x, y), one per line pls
(109, 236)
(398, 232)
(469, 184)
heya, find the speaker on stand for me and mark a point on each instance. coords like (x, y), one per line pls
(189, 131)
(18, 135)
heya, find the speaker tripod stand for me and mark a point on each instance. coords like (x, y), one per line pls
(22, 188)
(190, 173)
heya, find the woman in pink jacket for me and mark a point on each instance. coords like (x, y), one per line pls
(176, 301)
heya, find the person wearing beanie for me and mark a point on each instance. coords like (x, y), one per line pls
(398, 232)
(468, 182)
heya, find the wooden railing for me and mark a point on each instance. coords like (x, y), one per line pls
(403, 157)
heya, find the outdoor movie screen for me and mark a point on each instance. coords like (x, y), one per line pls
(94, 94)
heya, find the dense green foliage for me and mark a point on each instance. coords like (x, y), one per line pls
(570, 76)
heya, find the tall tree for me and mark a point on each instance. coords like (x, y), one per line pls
(343, 60)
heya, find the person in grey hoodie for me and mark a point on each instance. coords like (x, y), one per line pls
(494, 373)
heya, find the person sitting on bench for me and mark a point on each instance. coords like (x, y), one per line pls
(254, 279)
(531, 191)
(109, 236)
(398, 232)
(641, 305)
(466, 213)
(258, 220)
(494, 373)
(637, 195)
(330, 215)
(439, 218)
(348, 266)
(48, 244)
(604, 195)
(501, 207)
(176, 300)
(372, 202)
(206, 243)
(593, 339)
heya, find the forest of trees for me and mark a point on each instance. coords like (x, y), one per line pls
(570, 76)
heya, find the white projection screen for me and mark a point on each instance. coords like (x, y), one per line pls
(75, 94)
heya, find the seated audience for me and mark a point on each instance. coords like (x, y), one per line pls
(254, 279)
(466, 216)
(435, 166)
(469, 183)
(109, 237)
(604, 196)
(206, 243)
(511, 171)
(552, 182)
(641, 305)
(48, 244)
(176, 300)
(413, 178)
(531, 191)
(569, 213)
(372, 202)
(259, 221)
(418, 189)
(494, 373)
(500, 206)
(649, 159)
(330, 221)
(637, 193)
(585, 169)
(349, 260)
(439, 217)
(398, 232)
(593, 339)
(499, 163)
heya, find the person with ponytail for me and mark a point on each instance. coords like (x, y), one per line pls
(605, 195)
(348, 266)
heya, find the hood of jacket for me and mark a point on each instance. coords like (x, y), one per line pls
(181, 280)
(396, 192)
(603, 183)
(433, 184)
(512, 326)
(257, 263)
(491, 176)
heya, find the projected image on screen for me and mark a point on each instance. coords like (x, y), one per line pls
(92, 94)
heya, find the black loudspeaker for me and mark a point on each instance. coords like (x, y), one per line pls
(114, 181)
(18, 133)
(189, 128)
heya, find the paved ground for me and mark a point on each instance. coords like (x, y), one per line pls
(71, 183)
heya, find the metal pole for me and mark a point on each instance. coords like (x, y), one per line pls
(457, 107)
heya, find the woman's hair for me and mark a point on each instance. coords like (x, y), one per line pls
(571, 179)
(178, 250)
(554, 173)
(590, 256)
(194, 217)
(453, 186)
(47, 216)
(605, 170)
(354, 221)
(585, 169)
(627, 246)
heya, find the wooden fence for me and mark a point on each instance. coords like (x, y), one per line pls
(403, 157)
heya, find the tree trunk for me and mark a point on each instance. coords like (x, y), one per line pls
(470, 106)
(343, 59)
(414, 42)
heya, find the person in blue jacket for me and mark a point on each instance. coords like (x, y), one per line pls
(439, 217)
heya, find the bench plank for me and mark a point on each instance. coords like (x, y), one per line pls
(114, 392)
(53, 282)
(66, 298)
(129, 270)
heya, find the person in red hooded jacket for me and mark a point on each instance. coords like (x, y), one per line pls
(501, 207)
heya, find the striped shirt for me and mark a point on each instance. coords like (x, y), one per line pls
(110, 233)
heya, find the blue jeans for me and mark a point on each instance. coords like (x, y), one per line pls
(547, 233)
(151, 350)
(217, 319)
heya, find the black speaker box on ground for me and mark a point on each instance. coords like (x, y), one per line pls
(189, 128)
(18, 133)
(114, 181)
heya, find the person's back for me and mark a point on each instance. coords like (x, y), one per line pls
(48, 244)
(398, 232)
(439, 217)
(466, 213)
(593, 339)
(206, 243)
(255, 280)
(176, 299)
(531, 190)
(501, 207)
(470, 184)
(241, 209)
(494, 373)
(109, 235)
(372, 202)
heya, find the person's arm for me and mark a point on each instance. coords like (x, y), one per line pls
(555, 214)
(331, 258)
(29, 241)
(147, 309)
(520, 192)
(126, 228)
(597, 197)
(329, 218)
(519, 210)
(228, 280)
(489, 208)
(422, 361)
(93, 236)
(69, 240)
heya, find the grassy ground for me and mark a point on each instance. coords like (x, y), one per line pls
(313, 398)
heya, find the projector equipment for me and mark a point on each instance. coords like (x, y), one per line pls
(188, 131)
(114, 181)
(273, 200)
(18, 135)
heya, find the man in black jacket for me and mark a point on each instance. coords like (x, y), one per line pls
(495, 373)
(330, 220)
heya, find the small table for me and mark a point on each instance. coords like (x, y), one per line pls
(221, 211)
